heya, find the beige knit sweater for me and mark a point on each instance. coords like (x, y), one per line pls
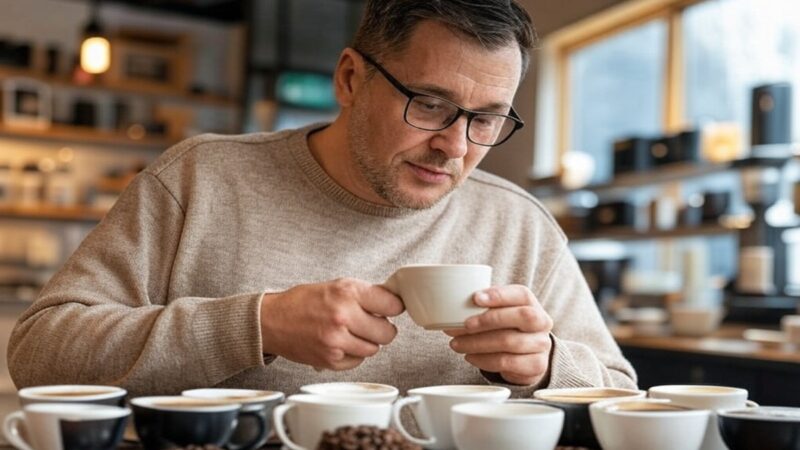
(164, 294)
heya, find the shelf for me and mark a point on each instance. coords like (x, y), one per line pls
(159, 93)
(629, 234)
(49, 212)
(66, 133)
(671, 172)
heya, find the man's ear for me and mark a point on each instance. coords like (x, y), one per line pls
(349, 77)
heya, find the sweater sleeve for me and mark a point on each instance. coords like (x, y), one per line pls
(584, 353)
(107, 317)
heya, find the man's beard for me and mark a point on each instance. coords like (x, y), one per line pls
(384, 179)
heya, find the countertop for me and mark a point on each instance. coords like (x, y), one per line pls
(728, 340)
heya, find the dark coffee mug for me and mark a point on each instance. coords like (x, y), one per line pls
(174, 421)
(255, 418)
(762, 427)
(577, 430)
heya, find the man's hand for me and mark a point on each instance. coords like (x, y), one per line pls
(511, 338)
(331, 325)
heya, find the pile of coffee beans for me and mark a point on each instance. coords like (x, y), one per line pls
(364, 438)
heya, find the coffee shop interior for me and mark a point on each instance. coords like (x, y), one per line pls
(659, 133)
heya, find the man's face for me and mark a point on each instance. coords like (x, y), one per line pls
(413, 168)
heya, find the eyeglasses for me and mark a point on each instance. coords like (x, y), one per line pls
(431, 113)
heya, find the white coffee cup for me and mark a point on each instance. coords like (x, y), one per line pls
(308, 416)
(73, 393)
(431, 406)
(440, 296)
(652, 424)
(705, 397)
(354, 390)
(60, 426)
(507, 426)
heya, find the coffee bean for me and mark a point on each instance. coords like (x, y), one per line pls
(364, 437)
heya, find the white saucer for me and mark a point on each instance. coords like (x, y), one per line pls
(766, 337)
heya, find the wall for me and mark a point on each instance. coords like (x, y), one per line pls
(513, 159)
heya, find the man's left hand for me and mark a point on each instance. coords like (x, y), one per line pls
(511, 338)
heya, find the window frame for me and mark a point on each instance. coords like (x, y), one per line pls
(553, 127)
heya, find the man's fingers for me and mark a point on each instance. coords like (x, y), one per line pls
(528, 319)
(373, 329)
(501, 341)
(510, 295)
(380, 301)
(523, 365)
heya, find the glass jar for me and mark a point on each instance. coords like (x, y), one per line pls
(31, 184)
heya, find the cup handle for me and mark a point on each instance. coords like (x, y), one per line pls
(396, 408)
(751, 404)
(391, 285)
(277, 419)
(261, 417)
(11, 430)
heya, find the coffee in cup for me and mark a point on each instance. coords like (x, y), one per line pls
(62, 426)
(353, 390)
(255, 418)
(577, 430)
(73, 393)
(431, 407)
(440, 296)
(173, 421)
(644, 423)
(705, 397)
(306, 417)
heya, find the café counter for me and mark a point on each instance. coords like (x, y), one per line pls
(769, 371)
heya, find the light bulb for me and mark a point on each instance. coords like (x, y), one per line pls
(95, 55)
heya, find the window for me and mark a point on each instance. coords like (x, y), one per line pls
(629, 68)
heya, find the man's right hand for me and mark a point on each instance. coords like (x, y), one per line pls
(330, 325)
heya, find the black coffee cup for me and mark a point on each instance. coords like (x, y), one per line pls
(577, 430)
(762, 427)
(174, 421)
(255, 417)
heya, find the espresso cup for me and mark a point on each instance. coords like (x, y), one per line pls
(762, 427)
(353, 390)
(577, 430)
(308, 416)
(431, 408)
(255, 418)
(60, 426)
(165, 422)
(507, 426)
(73, 393)
(439, 296)
(646, 423)
(705, 397)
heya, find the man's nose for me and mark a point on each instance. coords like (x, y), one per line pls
(453, 139)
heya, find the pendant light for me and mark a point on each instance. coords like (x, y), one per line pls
(95, 48)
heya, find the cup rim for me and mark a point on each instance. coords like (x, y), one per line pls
(149, 402)
(315, 389)
(612, 408)
(480, 410)
(749, 414)
(78, 411)
(242, 398)
(325, 401)
(686, 390)
(542, 394)
(488, 390)
(35, 392)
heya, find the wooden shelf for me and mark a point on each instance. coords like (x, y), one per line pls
(671, 172)
(68, 133)
(629, 234)
(160, 93)
(50, 212)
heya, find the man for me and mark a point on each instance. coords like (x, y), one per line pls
(256, 261)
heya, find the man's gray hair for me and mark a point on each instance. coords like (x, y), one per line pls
(387, 24)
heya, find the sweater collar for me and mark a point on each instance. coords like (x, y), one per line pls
(319, 178)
